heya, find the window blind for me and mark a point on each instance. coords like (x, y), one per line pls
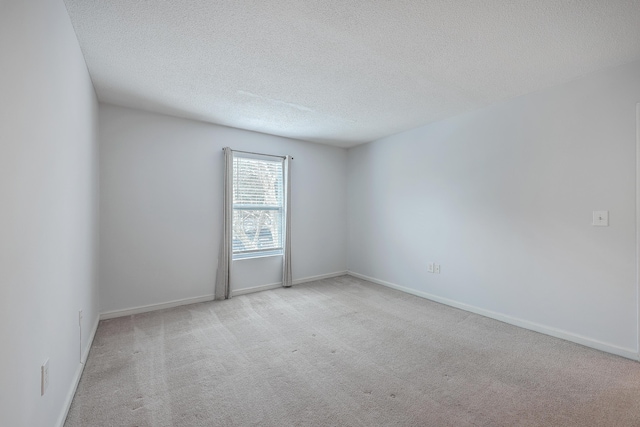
(258, 206)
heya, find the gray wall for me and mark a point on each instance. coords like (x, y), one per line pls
(48, 197)
(502, 199)
(160, 206)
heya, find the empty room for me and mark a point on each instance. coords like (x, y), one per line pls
(299, 213)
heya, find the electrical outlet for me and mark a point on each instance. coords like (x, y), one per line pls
(44, 377)
(80, 316)
(436, 269)
(430, 267)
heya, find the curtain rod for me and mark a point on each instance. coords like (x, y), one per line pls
(259, 154)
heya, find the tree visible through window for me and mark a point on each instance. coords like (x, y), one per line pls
(258, 207)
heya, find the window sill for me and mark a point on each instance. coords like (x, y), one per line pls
(256, 255)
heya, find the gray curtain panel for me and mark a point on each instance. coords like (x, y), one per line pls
(223, 279)
(287, 280)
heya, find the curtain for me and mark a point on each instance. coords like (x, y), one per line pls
(223, 279)
(286, 262)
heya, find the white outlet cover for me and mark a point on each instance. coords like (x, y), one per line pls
(430, 267)
(437, 269)
(44, 377)
(600, 218)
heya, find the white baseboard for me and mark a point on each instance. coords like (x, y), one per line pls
(238, 292)
(87, 347)
(205, 298)
(320, 277)
(547, 330)
(261, 288)
(77, 376)
(154, 307)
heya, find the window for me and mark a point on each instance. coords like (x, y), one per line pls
(258, 206)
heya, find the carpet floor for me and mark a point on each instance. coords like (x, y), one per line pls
(344, 352)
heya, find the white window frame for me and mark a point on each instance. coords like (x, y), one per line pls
(259, 253)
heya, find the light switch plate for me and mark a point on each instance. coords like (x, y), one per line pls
(601, 218)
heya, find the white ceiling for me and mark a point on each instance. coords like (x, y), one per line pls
(343, 72)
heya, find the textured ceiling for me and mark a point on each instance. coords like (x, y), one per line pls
(342, 72)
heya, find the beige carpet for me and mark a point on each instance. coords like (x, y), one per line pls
(344, 352)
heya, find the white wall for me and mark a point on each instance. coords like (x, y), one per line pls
(502, 198)
(48, 206)
(160, 206)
